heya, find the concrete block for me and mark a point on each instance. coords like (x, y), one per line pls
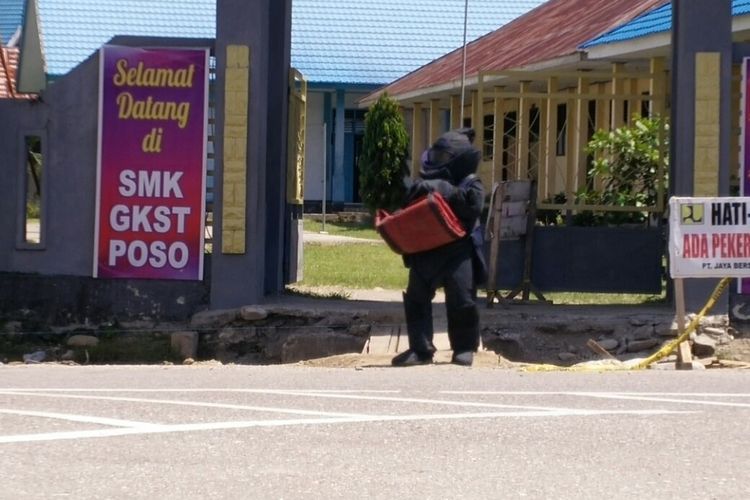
(82, 341)
(185, 344)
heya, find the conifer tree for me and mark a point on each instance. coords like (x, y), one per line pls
(382, 165)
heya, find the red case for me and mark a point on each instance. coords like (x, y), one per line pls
(425, 224)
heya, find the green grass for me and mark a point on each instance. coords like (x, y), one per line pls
(353, 266)
(578, 298)
(371, 266)
(353, 229)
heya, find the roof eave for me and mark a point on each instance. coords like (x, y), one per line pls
(454, 86)
(657, 42)
(616, 50)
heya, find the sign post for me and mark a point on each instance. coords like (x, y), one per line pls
(708, 238)
(151, 174)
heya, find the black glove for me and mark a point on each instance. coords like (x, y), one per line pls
(445, 188)
(416, 191)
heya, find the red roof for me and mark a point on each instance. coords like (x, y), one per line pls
(554, 29)
(9, 60)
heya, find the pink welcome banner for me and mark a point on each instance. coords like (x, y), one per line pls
(152, 163)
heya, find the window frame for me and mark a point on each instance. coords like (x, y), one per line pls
(23, 183)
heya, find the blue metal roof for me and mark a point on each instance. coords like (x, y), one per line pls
(71, 30)
(378, 41)
(333, 41)
(656, 21)
(11, 17)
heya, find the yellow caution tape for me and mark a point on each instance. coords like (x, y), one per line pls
(669, 347)
(658, 355)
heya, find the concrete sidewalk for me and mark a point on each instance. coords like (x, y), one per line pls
(529, 330)
(335, 239)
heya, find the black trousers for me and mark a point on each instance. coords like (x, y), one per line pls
(452, 269)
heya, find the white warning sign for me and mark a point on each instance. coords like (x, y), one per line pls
(709, 237)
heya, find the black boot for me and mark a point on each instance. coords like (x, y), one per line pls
(463, 358)
(463, 333)
(419, 326)
(411, 358)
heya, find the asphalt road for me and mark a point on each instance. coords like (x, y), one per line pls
(438, 431)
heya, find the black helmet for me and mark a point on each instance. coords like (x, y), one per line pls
(451, 155)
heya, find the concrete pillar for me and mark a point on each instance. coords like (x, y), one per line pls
(417, 139)
(548, 165)
(618, 89)
(497, 137)
(435, 122)
(252, 64)
(337, 177)
(701, 114)
(455, 112)
(581, 131)
(658, 106)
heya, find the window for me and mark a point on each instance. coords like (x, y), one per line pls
(562, 129)
(534, 124)
(488, 137)
(31, 202)
(509, 137)
(645, 106)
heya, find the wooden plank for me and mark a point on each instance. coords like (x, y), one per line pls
(600, 208)
(495, 224)
(434, 120)
(684, 356)
(455, 111)
(589, 96)
(618, 97)
(581, 134)
(497, 140)
(543, 75)
(522, 134)
(550, 141)
(516, 191)
(598, 349)
(417, 142)
(513, 227)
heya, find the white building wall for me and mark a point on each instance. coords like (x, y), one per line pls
(314, 147)
(314, 140)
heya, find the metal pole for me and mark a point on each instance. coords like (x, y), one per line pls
(325, 173)
(463, 70)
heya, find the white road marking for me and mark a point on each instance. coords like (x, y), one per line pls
(669, 400)
(467, 404)
(183, 403)
(55, 436)
(585, 393)
(81, 418)
(209, 389)
(317, 394)
(658, 397)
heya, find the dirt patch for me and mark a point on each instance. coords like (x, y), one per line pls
(483, 359)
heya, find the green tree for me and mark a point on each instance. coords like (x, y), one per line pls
(627, 162)
(382, 165)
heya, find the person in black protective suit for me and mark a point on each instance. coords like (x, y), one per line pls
(449, 168)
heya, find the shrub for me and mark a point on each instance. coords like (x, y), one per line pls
(382, 165)
(627, 162)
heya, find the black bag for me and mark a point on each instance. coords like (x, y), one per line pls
(478, 261)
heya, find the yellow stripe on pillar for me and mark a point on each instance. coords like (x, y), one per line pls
(234, 201)
(707, 110)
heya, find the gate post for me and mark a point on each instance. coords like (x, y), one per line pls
(253, 39)
(701, 110)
